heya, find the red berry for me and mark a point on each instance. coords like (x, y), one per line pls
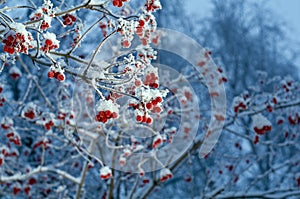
(114, 115)
(48, 42)
(139, 118)
(60, 77)
(108, 113)
(141, 23)
(149, 105)
(51, 74)
(149, 120)
(159, 99)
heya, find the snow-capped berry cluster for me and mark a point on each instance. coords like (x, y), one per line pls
(157, 141)
(153, 5)
(261, 124)
(146, 54)
(294, 119)
(29, 112)
(105, 173)
(17, 39)
(239, 103)
(151, 101)
(151, 79)
(50, 42)
(106, 110)
(145, 28)
(6, 123)
(119, 3)
(165, 174)
(15, 72)
(14, 138)
(46, 13)
(69, 19)
(56, 73)
(126, 29)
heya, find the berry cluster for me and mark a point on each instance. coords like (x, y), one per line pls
(261, 124)
(49, 125)
(19, 41)
(104, 116)
(119, 3)
(50, 42)
(59, 75)
(157, 141)
(151, 80)
(152, 5)
(107, 110)
(68, 19)
(105, 173)
(239, 104)
(49, 45)
(293, 120)
(154, 105)
(165, 174)
(29, 111)
(15, 72)
(14, 138)
(6, 123)
(30, 114)
(144, 119)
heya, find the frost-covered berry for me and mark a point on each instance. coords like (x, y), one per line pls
(50, 42)
(15, 72)
(165, 174)
(6, 123)
(68, 19)
(105, 173)
(239, 104)
(30, 111)
(152, 5)
(106, 110)
(17, 39)
(157, 141)
(261, 124)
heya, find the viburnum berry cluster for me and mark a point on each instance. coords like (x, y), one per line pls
(239, 103)
(157, 141)
(17, 39)
(152, 5)
(30, 111)
(69, 19)
(56, 73)
(261, 124)
(151, 102)
(165, 174)
(45, 13)
(105, 173)
(6, 123)
(50, 42)
(106, 110)
(15, 72)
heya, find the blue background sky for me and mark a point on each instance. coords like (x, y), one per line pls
(285, 10)
(288, 10)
